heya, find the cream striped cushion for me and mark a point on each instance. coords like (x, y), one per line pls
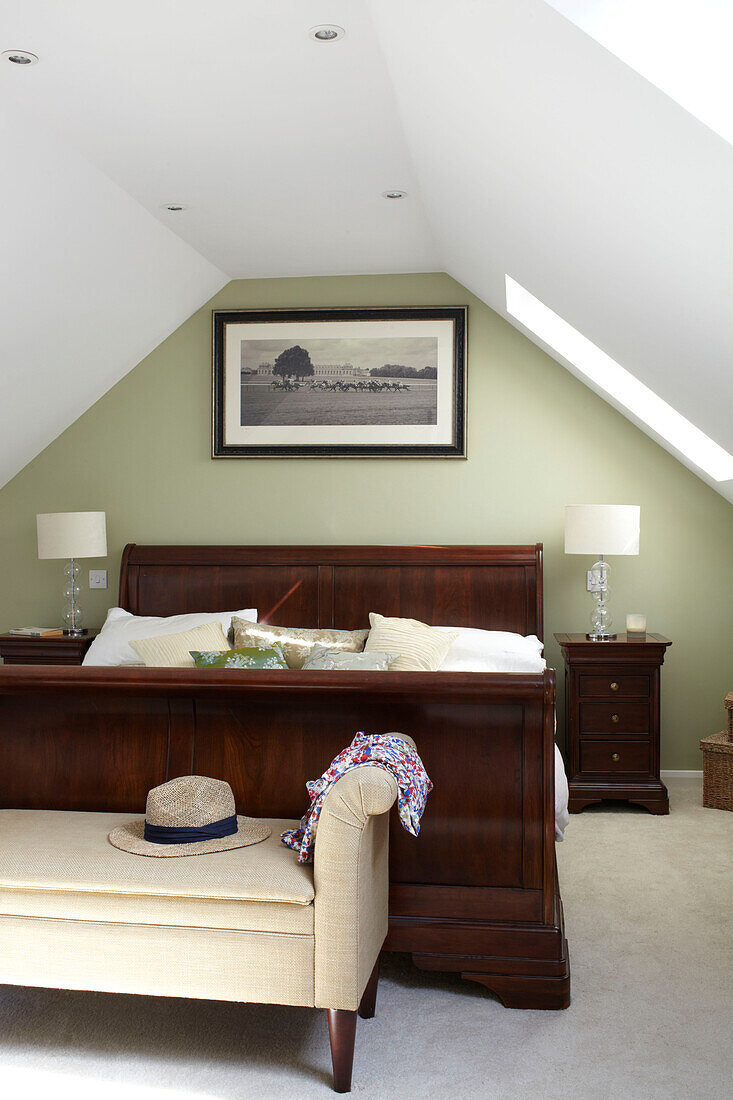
(421, 648)
(174, 650)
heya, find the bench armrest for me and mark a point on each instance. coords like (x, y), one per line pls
(351, 878)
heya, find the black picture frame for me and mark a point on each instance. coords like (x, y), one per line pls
(453, 425)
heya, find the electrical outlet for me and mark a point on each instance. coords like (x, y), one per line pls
(593, 582)
(97, 578)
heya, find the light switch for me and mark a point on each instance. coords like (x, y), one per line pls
(97, 578)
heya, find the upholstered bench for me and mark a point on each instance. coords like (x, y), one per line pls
(249, 924)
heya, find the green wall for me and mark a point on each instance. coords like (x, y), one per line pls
(538, 439)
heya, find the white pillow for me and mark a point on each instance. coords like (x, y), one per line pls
(472, 643)
(497, 662)
(112, 645)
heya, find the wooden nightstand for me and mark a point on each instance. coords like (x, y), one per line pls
(612, 719)
(15, 649)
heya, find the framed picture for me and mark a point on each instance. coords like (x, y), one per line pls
(327, 383)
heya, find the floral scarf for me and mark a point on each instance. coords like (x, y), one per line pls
(386, 750)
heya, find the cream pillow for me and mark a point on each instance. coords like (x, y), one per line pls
(296, 642)
(174, 650)
(421, 648)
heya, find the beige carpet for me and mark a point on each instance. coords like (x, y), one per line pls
(649, 911)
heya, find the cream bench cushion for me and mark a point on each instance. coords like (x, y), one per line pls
(60, 865)
(247, 924)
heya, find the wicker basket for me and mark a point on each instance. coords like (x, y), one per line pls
(717, 765)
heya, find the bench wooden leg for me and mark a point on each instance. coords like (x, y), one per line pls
(342, 1033)
(369, 998)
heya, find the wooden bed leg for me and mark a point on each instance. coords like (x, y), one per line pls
(368, 1004)
(342, 1033)
(520, 991)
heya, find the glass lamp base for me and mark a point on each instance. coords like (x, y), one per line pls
(72, 591)
(601, 620)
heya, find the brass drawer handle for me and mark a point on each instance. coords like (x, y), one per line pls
(614, 718)
(614, 686)
(615, 756)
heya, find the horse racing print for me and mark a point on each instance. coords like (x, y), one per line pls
(339, 382)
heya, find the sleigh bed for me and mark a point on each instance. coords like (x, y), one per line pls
(477, 892)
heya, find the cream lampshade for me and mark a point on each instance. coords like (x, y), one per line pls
(72, 535)
(601, 529)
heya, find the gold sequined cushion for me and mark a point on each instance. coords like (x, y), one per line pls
(296, 643)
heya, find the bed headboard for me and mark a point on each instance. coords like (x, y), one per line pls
(493, 587)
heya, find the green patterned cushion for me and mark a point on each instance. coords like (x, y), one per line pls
(247, 657)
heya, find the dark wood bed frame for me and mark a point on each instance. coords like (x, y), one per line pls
(477, 892)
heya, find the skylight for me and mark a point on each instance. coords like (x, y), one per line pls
(681, 46)
(613, 379)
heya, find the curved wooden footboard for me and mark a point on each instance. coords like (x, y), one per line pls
(475, 893)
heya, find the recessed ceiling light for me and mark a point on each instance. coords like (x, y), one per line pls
(326, 32)
(20, 57)
(173, 207)
(393, 194)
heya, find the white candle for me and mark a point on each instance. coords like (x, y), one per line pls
(636, 624)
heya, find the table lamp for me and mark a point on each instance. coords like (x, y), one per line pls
(601, 529)
(72, 535)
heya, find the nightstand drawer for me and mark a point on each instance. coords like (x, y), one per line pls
(613, 718)
(20, 649)
(613, 686)
(614, 757)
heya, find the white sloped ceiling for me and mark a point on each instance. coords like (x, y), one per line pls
(89, 284)
(523, 145)
(542, 156)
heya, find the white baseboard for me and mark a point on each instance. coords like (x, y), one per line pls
(681, 775)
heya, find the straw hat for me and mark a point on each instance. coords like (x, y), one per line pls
(189, 816)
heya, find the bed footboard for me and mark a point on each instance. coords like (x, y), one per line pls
(476, 893)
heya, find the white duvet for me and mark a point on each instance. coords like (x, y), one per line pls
(562, 816)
